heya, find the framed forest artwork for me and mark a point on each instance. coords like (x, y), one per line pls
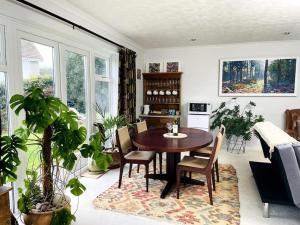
(258, 77)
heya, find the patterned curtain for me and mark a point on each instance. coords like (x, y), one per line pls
(127, 84)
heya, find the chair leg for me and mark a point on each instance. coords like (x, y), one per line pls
(130, 169)
(208, 178)
(213, 178)
(147, 176)
(154, 165)
(217, 170)
(178, 176)
(121, 174)
(160, 162)
(190, 175)
(138, 168)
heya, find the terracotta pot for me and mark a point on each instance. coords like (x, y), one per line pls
(39, 218)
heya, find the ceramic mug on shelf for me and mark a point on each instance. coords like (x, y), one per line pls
(149, 92)
(168, 92)
(161, 92)
(155, 92)
(174, 92)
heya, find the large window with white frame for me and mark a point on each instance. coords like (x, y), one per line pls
(102, 84)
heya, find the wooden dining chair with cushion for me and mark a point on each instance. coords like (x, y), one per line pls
(142, 127)
(132, 157)
(204, 166)
(206, 152)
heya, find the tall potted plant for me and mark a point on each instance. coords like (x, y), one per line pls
(238, 123)
(108, 125)
(53, 129)
(9, 161)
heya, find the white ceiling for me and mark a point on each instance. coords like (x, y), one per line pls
(167, 23)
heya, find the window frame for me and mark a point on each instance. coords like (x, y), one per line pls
(3, 61)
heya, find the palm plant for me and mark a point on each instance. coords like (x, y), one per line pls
(109, 124)
(53, 129)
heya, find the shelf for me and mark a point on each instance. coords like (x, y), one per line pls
(161, 103)
(160, 116)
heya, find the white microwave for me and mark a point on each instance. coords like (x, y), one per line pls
(196, 108)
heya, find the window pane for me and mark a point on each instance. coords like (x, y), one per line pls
(102, 95)
(3, 104)
(37, 66)
(100, 66)
(75, 72)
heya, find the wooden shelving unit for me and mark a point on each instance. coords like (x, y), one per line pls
(162, 91)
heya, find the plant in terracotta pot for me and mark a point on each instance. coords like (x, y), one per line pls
(59, 141)
(238, 123)
(108, 125)
(9, 161)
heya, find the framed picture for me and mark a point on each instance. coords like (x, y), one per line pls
(138, 74)
(172, 66)
(259, 77)
(154, 67)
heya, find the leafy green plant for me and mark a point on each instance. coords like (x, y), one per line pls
(110, 124)
(9, 157)
(238, 122)
(53, 128)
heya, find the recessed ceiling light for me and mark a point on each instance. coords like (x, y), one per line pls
(193, 39)
(286, 33)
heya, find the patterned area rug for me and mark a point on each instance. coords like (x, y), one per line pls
(192, 208)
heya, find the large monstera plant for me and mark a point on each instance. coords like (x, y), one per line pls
(53, 129)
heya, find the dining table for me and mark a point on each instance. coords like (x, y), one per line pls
(154, 140)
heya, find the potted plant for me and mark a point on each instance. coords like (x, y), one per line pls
(108, 126)
(52, 128)
(9, 161)
(238, 123)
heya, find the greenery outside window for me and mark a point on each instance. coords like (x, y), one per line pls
(102, 85)
(38, 66)
(75, 78)
(3, 104)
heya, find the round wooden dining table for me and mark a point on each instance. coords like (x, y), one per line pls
(153, 140)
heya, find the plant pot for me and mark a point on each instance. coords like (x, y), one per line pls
(115, 163)
(115, 155)
(45, 218)
(39, 218)
(236, 144)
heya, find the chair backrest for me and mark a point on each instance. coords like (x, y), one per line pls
(217, 146)
(141, 126)
(123, 140)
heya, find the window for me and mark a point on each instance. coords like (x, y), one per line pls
(2, 46)
(3, 104)
(75, 64)
(38, 66)
(102, 84)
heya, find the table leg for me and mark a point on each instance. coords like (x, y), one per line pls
(173, 158)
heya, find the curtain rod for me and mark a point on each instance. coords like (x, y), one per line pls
(29, 4)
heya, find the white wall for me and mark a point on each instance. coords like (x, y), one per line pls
(200, 66)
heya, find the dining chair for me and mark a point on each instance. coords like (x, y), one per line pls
(132, 157)
(142, 127)
(204, 166)
(206, 152)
